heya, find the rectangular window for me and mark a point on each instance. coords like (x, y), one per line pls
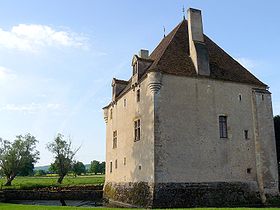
(116, 164)
(111, 113)
(124, 102)
(137, 128)
(124, 161)
(223, 126)
(138, 95)
(111, 167)
(240, 97)
(246, 134)
(115, 139)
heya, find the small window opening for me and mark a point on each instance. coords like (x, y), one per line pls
(124, 161)
(138, 95)
(137, 128)
(249, 170)
(262, 97)
(246, 134)
(111, 113)
(111, 167)
(140, 167)
(223, 126)
(115, 139)
(116, 164)
(124, 102)
(240, 97)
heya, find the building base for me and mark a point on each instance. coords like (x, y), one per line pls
(171, 195)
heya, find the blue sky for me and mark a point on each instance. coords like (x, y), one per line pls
(57, 58)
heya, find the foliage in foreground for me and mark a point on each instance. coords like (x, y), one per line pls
(18, 156)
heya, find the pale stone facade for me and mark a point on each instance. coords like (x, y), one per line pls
(180, 158)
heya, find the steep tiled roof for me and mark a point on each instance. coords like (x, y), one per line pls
(171, 56)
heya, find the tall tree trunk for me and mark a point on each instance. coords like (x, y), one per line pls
(9, 180)
(59, 181)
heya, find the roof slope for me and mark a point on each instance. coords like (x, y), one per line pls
(171, 56)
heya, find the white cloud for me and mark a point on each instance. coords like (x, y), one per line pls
(247, 63)
(6, 73)
(32, 37)
(31, 108)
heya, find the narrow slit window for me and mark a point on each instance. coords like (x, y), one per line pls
(116, 164)
(246, 134)
(124, 102)
(111, 113)
(115, 139)
(223, 126)
(124, 161)
(240, 97)
(138, 95)
(111, 167)
(137, 130)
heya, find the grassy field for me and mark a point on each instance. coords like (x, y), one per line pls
(27, 207)
(36, 182)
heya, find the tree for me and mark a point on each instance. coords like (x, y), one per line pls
(63, 154)
(102, 167)
(17, 155)
(97, 167)
(39, 172)
(52, 169)
(94, 167)
(28, 170)
(79, 168)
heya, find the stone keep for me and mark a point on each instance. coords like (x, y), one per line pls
(191, 127)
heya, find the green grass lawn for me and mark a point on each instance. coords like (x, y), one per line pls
(28, 207)
(36, 182)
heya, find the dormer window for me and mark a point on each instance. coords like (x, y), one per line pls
(135, 69)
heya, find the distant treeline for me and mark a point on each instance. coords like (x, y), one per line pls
(78, 168)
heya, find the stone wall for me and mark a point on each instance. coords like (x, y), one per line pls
(215, 194)
(132, 194)
(189, 147)
(175, 195)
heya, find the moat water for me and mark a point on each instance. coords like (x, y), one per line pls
(76, 203)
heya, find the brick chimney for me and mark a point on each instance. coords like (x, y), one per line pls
(198, 50)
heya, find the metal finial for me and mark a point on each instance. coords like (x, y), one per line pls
(184, 18)
(163, 31)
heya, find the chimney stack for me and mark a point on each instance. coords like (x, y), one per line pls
(198, 50)
(144, 53)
